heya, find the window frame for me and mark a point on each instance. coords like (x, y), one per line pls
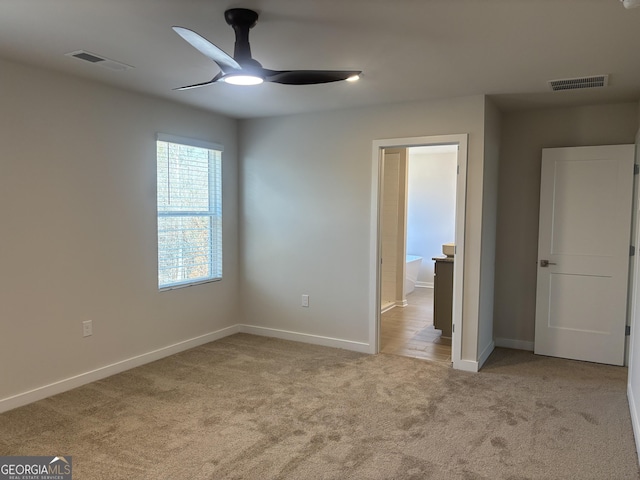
(214, 212)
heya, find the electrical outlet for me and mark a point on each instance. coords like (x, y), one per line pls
(87, 328)
(305, 300)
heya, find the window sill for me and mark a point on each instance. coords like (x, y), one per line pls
(189, 284)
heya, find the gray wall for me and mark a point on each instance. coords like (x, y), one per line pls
(306, 201)
(78, 216)
(492, 135)
(633, 383)
(524, 135)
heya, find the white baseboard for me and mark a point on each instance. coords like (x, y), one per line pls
(39, 393)
(387, 307)
(466, 365)
(470, 365)
(515, 344)
(424, 284)
(306, 338)
(70, 383)
(485, 354)
(635, 421)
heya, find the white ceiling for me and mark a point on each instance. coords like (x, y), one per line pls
(408, 49)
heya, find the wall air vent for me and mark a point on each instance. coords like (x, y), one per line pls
(579, 82)
(99, 60)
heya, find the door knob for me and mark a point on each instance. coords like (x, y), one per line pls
(546, 263)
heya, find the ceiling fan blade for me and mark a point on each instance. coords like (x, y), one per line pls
(308, 77)
(204, 46)
(196, 85)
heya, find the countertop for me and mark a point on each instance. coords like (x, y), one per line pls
(443, 259)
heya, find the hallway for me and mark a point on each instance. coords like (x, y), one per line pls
(409, 331)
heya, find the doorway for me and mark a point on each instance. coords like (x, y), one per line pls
(379, 146)
(417, 227)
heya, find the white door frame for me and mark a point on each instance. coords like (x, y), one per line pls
(374, 249)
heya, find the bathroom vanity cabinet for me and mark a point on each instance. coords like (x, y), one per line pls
(443, 295)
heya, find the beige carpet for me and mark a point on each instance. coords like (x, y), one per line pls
(248, 407)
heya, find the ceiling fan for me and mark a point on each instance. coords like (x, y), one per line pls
(242, 69)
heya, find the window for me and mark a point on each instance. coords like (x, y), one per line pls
(189, 174)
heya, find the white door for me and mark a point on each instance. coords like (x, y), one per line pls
(583, 252)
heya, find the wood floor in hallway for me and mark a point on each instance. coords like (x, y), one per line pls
(409, 331)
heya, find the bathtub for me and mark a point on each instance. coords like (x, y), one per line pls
(412, 268)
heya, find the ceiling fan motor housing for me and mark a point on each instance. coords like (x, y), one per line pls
(242, 20)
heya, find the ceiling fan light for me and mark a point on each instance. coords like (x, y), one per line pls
(243, 79)
(353, 78)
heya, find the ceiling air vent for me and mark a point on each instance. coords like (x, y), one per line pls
(580, 82)
(98, 60)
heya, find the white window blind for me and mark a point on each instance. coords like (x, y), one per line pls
(189, 175)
